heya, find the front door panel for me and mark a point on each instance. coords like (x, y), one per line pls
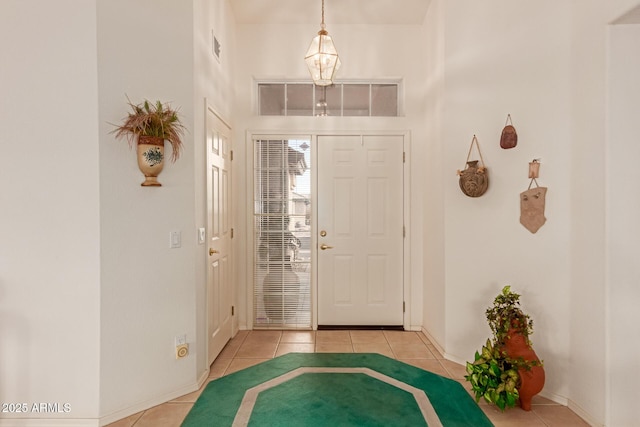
(360, 230)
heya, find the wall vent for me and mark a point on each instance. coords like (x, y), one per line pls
(215, 46)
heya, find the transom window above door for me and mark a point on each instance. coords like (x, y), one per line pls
(340, 99)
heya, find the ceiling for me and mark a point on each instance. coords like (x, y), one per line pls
(376, 12)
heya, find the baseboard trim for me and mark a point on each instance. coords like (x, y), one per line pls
(434, 341)
(51, 422)
(143, 406)
(203, 377)
(583, 414)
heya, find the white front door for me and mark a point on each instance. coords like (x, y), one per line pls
(219, 291)
(360, 230)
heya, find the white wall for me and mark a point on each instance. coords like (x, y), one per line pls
(588, 392)
(498, 62)
(623, 152)
(145, 51)
(151, 293)
(434, 208)
(85, 268)
(598, 289)
(49, 209)
(554, 83)
(367, 52)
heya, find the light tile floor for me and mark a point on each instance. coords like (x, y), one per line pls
(249, 348)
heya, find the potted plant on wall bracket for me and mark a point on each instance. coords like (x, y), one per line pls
(507, 369)
(148, 126)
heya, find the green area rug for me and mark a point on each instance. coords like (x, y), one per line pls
(334, 389)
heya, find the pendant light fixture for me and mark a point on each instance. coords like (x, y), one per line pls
(322, 58)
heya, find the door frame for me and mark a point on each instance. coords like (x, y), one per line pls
(313, 135)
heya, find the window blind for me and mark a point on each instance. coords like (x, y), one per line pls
(282, 234)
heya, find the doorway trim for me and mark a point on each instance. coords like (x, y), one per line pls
(313, 135)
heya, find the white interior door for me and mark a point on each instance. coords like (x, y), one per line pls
(360, 230)
(219, 291)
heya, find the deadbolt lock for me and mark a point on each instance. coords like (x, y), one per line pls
(323, 233)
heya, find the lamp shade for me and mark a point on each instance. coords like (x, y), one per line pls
(322, 59)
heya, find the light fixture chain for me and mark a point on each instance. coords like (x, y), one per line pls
(323, 14)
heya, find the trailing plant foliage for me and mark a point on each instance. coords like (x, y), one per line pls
(493, 374)
(493, 377)
(506, 314)
(157, 120)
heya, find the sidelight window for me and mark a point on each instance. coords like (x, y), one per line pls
(282, 234)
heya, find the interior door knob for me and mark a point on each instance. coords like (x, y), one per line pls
(325, 247)
(212, 251)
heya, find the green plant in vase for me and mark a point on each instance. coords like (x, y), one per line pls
(506, 369)
(148, 126)
(493, 377)
(505, 315)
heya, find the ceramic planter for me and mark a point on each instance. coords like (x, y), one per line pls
(150, 159)
(531, 380)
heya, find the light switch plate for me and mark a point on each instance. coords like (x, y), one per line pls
(175, 239)
(181, 340)
(202, 235)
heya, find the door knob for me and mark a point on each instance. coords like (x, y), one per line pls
(212, 251)
(325, 247)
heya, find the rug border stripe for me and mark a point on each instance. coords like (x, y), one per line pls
(251, 395)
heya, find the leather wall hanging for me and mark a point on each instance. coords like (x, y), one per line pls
(509, 137)
(474, 179)
(532, 202)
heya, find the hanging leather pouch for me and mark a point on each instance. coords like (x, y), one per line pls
(509, 137)
(474, 180)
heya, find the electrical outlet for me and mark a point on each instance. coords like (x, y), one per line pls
(182, 351)
(182, 348)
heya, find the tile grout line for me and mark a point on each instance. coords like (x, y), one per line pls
(139, 418)
(233, 356)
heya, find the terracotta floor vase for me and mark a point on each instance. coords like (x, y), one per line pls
(531, 380)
